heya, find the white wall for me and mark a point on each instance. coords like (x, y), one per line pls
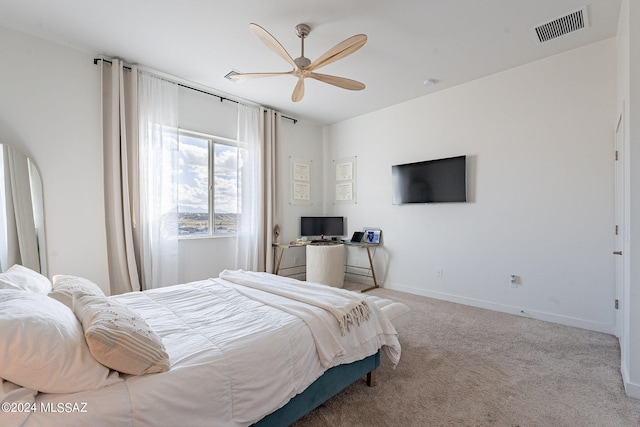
(633, 192)
(50, 109)
(540, 172)
(628, 104)
(302, 140)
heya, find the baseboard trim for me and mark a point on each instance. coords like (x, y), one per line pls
(519, 311)
(631, 389)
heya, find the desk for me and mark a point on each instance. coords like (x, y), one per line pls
(280, 248)
(370, 268)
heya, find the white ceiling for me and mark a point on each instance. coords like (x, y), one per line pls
(409, 41)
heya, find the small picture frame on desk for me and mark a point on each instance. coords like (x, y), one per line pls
(371, 235)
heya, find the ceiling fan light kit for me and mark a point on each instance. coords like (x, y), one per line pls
(303, 67)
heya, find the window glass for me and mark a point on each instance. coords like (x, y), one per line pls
(225, 188)
(193, 186)
(208, 190)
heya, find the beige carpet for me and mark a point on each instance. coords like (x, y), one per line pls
(464, 366)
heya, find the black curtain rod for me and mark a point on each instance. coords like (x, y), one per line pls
(222, 98)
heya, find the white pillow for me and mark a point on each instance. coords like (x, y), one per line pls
(120, 338)
(397, 312)
(43, 346)
(24, 279)
(65, 287)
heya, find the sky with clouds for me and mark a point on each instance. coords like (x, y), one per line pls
(194, 176)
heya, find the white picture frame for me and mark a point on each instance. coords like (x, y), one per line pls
(344, 180)
(301, 181)
(371, 235)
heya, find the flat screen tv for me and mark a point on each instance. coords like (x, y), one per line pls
(430, 181)
(322, 226)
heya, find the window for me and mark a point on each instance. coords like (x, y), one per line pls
(208, 185)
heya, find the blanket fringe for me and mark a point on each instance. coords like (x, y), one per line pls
(358, 314)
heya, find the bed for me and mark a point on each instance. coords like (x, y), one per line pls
(229, 351)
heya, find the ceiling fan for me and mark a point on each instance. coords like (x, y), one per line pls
(303, 67)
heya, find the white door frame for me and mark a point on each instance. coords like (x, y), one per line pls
(620, 226)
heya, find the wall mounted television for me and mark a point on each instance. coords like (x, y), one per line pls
(430, 181)
(322, 226)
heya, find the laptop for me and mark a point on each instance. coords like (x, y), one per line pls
(357, 237)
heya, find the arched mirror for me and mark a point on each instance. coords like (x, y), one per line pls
(22, 237)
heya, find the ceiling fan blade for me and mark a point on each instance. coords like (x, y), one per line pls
(342, 82)
(257, 75)
(298, 91)
(272, 43)
(339, 51)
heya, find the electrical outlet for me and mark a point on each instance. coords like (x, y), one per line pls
(513, 281)
(440, 273)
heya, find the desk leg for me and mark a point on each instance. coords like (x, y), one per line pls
(373, 273)
(279, 261)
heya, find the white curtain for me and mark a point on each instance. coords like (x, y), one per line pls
(158, 151)
(273, 211)
(120, 133)
(249, 238)
(257, 135)
(141, 188)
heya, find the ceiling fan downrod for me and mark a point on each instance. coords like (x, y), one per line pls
(302, 31)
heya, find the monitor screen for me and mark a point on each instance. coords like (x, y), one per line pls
(431, 181)
(312, 226)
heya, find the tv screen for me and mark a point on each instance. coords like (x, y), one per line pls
(312, 226)
(431, 181)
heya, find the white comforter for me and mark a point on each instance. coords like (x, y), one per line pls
(234, 359)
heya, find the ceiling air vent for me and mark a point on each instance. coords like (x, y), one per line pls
(569, 23)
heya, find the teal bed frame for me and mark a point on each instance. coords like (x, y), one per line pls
(332, 382)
